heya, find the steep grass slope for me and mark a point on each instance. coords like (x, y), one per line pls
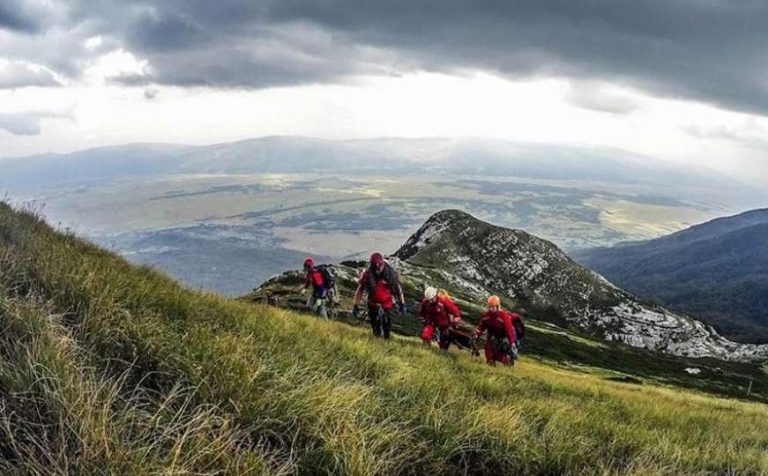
(109, 367)
(548, 340)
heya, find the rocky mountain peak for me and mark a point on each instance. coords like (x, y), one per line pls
(506, 261)
(534, 271)
(443, 222)
(453, 229)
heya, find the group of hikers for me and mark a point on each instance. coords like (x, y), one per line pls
(440, 316)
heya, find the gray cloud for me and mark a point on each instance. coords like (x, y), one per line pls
(18, 75)
(16, 15)
(600, 98)
(20, 124)
(150, 94)
(705, 50)
(749, 134)
(27, 123)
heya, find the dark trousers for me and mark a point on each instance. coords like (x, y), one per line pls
(381, 320)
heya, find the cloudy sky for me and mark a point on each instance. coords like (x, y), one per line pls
(684, 80)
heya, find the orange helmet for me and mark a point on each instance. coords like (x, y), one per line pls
(494, 301)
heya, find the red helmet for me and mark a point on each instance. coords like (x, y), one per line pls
(309, 263)
(377, 259)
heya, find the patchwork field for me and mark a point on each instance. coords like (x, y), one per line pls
(230, 232)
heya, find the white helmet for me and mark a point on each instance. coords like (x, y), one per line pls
(430, 293)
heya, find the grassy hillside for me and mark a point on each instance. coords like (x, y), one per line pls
(549, 340)
(106, 367)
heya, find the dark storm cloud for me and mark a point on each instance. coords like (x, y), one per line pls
(710, 50)
(15, 15)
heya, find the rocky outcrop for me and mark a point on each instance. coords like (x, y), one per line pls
(524, 267)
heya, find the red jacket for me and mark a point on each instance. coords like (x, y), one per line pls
(438, 312)
(382, 289)
(315, 278)
(498, 324)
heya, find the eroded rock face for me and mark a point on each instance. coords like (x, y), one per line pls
(457, 251)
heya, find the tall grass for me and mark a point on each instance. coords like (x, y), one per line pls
(296, 394)
(60, 416)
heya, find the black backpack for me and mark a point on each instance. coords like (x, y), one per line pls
(519, 326)
(328, 280)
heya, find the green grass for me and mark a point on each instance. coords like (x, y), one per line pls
(60, 415)
(114, 368)
(553, 345)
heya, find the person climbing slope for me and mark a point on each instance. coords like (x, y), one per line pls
(438, 313)
(517, 323)
(497, 323)
(321, 281)
(382, 284)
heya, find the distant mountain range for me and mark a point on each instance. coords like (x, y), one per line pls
(398, 156)
(717, 271)
(473, 259)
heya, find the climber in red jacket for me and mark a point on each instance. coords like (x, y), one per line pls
(315, 279)
(382, 284)
(438, 313)
(500, 344)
